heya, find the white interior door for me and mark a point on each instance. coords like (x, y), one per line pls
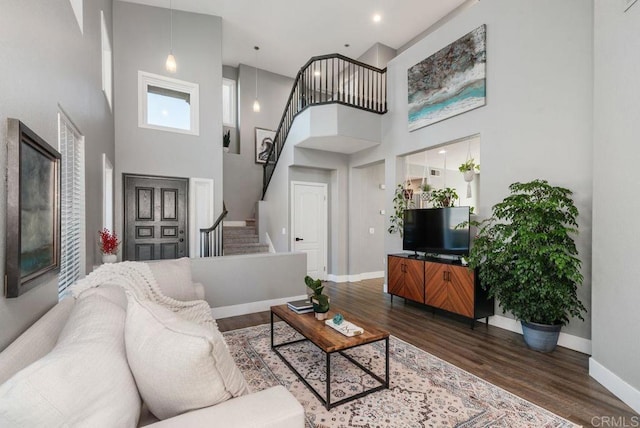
(309, 225)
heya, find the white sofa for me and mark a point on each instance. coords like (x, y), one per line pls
(273, 407)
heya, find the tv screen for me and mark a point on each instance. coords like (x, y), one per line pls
(433, 230)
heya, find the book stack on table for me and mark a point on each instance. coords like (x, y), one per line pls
(301, 306)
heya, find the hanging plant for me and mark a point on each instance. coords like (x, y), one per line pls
(400, 204)
(469, 165)
(468, 170)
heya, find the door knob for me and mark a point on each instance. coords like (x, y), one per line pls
(181, 239)
(299, 239)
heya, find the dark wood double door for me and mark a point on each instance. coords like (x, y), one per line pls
(155, 218)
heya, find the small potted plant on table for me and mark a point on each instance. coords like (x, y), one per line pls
(320, 301)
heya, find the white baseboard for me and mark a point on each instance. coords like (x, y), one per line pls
(234, 223)
(617, 386)
(355, 277)
(249, 308)
(565, 340)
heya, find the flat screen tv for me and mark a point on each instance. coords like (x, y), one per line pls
(433, 230)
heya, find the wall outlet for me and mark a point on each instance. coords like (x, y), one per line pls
(383, 186)
(284, 231)
(382, 212)
(371, 231)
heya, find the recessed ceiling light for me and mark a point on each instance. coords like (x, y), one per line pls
(441, 152)
(316, 73)
(377, 17)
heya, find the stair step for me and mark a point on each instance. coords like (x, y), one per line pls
(240, 239)
(238, 230)
(245, 249)
(250, 222)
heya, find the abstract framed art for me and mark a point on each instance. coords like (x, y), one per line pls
(448, 83)
(264, 142)
(33, 210)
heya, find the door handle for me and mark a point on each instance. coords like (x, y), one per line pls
(181, 239)
(299, 239)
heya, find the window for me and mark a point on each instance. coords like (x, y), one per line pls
(167, 104)
(72, 242)
(229, 103)
(107, 81)
(107, 193)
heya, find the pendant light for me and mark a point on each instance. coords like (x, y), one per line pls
(256, 103)
(170, 64)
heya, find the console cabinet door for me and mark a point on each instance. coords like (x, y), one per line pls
(406, 278)
(450, 288)
(414, 280)
(395, 274)
(436, 294)
(460, 290)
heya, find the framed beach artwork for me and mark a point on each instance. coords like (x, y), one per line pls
(264, 142)
(33, 210)
(450, 82)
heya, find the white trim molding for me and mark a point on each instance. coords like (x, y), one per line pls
(250, 308)
(201, 211)
(565, 340)
(234, 223)
(355, 277)
(146, 80)
(621, 389)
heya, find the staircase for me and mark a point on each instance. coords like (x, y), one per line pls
(242, 240)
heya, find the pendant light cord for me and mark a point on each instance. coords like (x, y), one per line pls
(171, 26)
(256, 48)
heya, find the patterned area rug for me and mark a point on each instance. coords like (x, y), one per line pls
(424, 390)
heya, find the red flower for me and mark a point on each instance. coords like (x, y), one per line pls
(108, 242)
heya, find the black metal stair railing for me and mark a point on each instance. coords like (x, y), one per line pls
(211, 239)
(328, 79)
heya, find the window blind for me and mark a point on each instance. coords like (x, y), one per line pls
(72, 242)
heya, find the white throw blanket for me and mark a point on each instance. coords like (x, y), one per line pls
(136, 278)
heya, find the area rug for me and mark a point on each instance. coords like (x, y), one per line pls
(424, 390)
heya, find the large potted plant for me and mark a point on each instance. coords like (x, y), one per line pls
(528, 260)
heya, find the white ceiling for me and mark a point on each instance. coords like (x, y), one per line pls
(289, 32)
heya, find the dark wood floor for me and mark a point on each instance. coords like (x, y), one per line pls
(559, 381)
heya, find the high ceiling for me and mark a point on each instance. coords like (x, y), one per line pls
(289, 32)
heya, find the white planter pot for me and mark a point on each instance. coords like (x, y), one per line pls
(468, 175)
(109, 258)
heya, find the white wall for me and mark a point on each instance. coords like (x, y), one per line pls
(242, 175)
(616, 294)
(228, 282)
(141, 36)
(536, 120)
(366, 250)
(45, 61)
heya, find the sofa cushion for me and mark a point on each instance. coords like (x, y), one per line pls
(83, 381)
(178, 365)
(36, 342)
(174, 278)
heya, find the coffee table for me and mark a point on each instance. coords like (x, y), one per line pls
(330, 342)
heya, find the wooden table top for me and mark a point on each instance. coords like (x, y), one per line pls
(325, 337)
